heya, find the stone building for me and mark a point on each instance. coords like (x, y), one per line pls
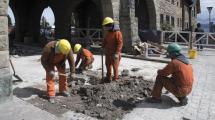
(5, 75)
(178, 13)
(132, 15)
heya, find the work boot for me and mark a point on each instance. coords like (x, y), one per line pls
(65, 94)
(153, 100)
(183, 100)
(105, 80)
(90, 66)
(51, 100)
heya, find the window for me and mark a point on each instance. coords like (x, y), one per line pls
(167, 19)
(178, 22)
(161, 19)
(181, 3)
(173, 21)
(194, 10)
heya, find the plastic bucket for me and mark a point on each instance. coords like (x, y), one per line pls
(192, 54)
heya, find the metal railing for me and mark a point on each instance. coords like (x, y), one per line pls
(185, 38)
(204, 39)
(180, 37)
(94, 36)
(91, 35)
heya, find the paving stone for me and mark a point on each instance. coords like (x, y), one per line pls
(201, 105)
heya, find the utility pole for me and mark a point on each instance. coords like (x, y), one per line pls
(209, 10)
(191, 26)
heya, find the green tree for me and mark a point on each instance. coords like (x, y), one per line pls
(9, 21)
(44, 23)
(166, 27)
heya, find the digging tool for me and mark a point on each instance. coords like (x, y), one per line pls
(61, 74)
(102, 54)
(14, 74)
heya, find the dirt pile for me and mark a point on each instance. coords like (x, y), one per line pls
(112, 100)
(108, 101)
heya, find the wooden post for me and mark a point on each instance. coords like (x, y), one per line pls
(162, 37)
(191, 39)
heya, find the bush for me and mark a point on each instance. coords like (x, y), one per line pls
(166, 27)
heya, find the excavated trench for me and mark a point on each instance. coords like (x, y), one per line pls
(108, 101)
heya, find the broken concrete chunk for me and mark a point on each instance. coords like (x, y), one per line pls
(125, 72)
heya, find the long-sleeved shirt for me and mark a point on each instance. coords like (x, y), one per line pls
(84, 54)
(182, 74)
(113, 42)
(50, 58)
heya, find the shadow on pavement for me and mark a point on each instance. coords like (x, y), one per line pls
(125, 105)
(28, 92)
(167, 102)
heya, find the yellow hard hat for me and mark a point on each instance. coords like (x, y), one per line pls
(77, 48)
(64, 46)
(107, 20)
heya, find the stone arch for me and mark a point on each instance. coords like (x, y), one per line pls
(146, 13)
(44, 37)
(107, 8)
(88, 14)
(11, 14)
(27, 15)
(61, 10)
(51, 11)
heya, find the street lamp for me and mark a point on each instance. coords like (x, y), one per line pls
(209, 10)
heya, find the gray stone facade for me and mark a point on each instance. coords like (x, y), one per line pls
(175, 12)
(5, 76)
(133, 16)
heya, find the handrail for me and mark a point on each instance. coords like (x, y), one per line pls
(184, 37)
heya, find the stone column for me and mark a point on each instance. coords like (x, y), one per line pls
(128, 24)
(5, 76)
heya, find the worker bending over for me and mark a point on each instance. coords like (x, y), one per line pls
(55, 54)
(112, 45)
(181, 80)
(85, 56)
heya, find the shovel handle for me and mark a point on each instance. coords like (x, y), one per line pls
(61, 74)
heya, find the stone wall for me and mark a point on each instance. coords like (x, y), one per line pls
(168, 9)
(5, 76)
(128, 24)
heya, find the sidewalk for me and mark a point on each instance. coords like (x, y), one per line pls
(18, 109)
(201, 101)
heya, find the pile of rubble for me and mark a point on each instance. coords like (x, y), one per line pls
(148, 49)
(113, 100)
(23, 50)
(107, 101)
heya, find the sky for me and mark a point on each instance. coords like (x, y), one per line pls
(202, 18)
(47, 13)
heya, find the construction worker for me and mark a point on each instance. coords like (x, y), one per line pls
(85, 55)
(201, 41)
(181, 80)
(55, 54)
(112, 45)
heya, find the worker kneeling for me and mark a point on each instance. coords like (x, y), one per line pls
(181, 80)
(55, 54)
(85, 55)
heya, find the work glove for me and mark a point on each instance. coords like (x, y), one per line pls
(52, 73)
(72, 76)
(116, 56)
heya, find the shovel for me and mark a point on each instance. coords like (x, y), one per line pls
(14, 74)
